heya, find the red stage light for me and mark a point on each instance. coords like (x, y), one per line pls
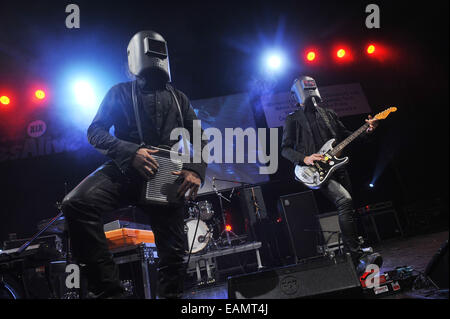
(311, 56)
(371, 49)
(228, 227)
(40, 94)
(340, 53)
(4, 100)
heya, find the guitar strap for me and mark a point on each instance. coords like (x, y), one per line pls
(171, 90)
(323, 114)
(137, 114)
(136, 111)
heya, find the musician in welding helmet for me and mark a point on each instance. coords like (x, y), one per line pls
(305, 132)
(155, 107)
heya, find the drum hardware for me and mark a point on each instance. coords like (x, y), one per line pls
(202, 208)
(205, 210)
(204, 239)
(221, 197)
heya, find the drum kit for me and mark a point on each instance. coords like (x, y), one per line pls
(201, 213)
(202, 220)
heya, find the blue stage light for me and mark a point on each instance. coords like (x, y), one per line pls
(84, 94)
(274, 61)
(371, 185)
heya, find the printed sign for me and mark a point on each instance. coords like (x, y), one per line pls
(345, 100)
(36, 128)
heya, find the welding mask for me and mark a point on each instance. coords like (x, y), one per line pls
(305, 91)
(148, 56)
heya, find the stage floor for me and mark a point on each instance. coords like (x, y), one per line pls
(415, 252)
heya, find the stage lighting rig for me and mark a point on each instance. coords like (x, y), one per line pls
(5, 100)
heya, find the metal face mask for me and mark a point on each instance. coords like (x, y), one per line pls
(305, 90)
(148, 56)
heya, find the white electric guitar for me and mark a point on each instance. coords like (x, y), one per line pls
(314, 176)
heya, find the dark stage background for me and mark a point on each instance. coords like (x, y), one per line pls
(215, 51)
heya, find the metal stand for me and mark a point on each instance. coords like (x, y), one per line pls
(51, 222)
(221, 198)
(222, 211)
(54, 219)
(210, 263)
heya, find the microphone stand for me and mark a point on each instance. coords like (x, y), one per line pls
(47, 226)
(35, 236)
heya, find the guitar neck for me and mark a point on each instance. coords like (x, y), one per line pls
(349, 139)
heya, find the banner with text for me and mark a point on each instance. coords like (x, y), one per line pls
(344, 99)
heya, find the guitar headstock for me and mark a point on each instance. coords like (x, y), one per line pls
(385, 113)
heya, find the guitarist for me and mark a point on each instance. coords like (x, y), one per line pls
(305, 132)
(118, 182)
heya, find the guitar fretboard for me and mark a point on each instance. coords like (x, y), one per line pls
(349, 139)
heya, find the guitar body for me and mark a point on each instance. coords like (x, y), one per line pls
(316, 175)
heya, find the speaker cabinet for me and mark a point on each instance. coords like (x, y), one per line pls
(299, 215)
(437, 268)
(317, 277)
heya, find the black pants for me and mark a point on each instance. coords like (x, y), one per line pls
(338, 190)
(105, 190)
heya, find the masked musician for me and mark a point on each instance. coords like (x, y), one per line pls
(305, 132)
(118, 182)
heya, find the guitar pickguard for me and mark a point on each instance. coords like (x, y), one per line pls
(314, 176)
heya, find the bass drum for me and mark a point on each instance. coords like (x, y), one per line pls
(202, 237)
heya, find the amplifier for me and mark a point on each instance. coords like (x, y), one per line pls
(437, 268)
(299, 214)
(317, 277)
(380, 224)
(161, 188)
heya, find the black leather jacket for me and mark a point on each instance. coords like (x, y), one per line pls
(117, 110)
(298, 140)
